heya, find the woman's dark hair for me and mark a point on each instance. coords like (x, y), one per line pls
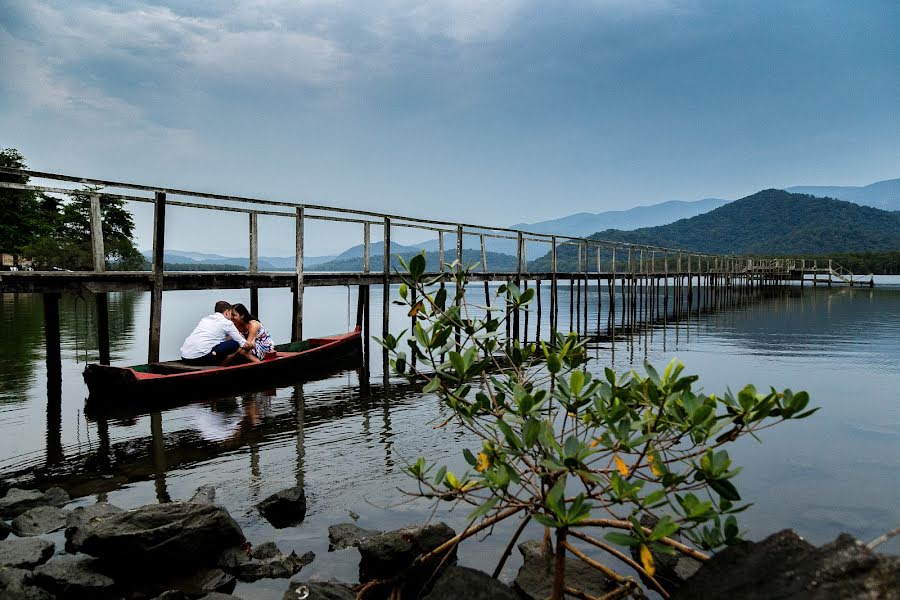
(246, 317)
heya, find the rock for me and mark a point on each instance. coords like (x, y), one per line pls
(204, 581)
(354, 516)
(4, 530)
(39, 520)
(205, 494)
(671, 569)
(18, 584)
(463, 582)
(18, 501)
(77, 520)
(218, 596)
(393, 552)
(26, 553)
(785, 566)
(319, 590)
(266, 562)
(535, 578)
(266, 550)
(284, 508)
(70, 577)
(348, 535)
(178, 534)
(280, 567)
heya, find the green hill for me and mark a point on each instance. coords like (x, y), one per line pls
(770, 222)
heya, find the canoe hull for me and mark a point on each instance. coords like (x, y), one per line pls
(121, 384)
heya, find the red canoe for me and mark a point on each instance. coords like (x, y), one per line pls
(297, 360)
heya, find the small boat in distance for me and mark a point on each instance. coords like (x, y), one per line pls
(296, 360)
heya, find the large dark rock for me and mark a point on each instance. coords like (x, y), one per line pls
(392, 553)
(348, 535)
(535, 578)
(785, 566)
(71, 577)
(671, 569)
(284, 508)
(39, 520)
(203, 581)
(463, 582)
(4, 530)
(18, 501)
(319, 590)
(179, 534)
(25, 553)
(78, 519)
(18, 584)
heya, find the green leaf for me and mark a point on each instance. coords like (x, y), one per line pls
(576, 382)
(621, 539)
(484, 509)
(554, 364)
(664, 528)
(725, 489)
(470, 458)
(417, 266)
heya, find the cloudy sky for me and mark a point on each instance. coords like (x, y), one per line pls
(499, 111)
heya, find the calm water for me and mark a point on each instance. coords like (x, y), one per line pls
(348, 443)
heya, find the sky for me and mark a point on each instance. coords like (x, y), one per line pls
(493, 112)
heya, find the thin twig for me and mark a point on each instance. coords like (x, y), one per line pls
(469, 532)
(595, 564)
(625, 559)
(883, 538)
(509, 547)
(626, 525)
(570, 591)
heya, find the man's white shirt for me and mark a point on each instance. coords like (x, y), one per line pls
(210, 331)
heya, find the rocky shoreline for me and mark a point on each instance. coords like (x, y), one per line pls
(195, 549)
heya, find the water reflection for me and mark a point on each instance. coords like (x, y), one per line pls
(348, 436)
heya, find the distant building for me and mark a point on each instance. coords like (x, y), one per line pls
(8, 263)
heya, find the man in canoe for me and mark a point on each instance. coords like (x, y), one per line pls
(214, 339)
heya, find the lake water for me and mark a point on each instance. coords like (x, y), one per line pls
(348, 443)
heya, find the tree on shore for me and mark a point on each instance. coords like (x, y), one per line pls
(55, 232)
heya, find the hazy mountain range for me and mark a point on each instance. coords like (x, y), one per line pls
(768, 222)
(882, 194)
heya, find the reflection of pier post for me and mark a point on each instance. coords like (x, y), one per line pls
(299, 417)
(159, 457)
(54, 452)
(99, 258)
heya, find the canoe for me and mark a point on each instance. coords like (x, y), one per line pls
(293, 361)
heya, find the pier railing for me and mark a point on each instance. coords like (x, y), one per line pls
(594, 259)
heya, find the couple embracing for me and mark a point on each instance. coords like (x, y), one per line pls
(228, 336)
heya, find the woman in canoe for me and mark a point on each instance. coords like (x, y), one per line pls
(257, 335)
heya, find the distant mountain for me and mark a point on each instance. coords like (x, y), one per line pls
(772, 222)
(266, 263)
(882, 194)
(584, 224)
(496, 262)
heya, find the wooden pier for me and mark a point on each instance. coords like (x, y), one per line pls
(638, 282)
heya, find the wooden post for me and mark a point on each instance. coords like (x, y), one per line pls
(599, 291)
(103, 326)
(156, 290)
(519, 246)
(299, 283)
(254, 261)
(367, 248)
(554, 299)
(99, 254)
(484, 268)
(386, 292)
(459, 251)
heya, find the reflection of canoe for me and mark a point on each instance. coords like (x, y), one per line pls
(297, 360)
